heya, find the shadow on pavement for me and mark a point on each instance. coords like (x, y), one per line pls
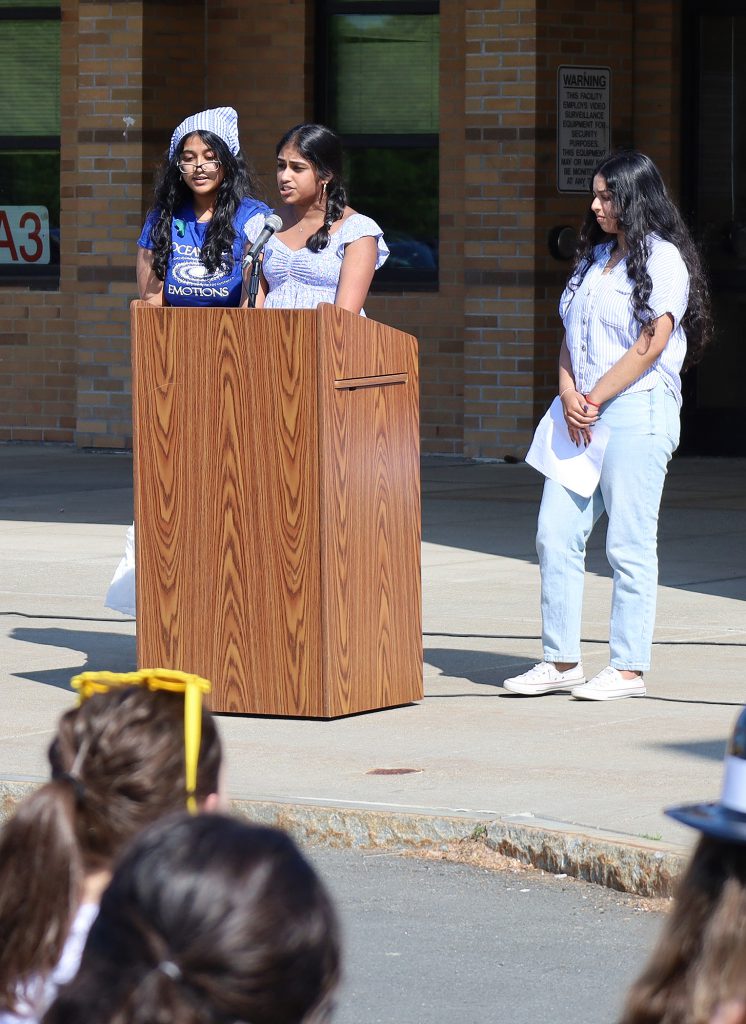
(492, 509)
(483, 667)
(488, 508)
(112, 652)
(710, 750)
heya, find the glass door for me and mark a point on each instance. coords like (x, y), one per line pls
(714, 175)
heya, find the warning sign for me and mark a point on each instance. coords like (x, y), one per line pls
(583, 124)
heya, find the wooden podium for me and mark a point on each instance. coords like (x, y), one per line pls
(277, 506)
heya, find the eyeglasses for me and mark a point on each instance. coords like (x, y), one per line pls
(209, 167)
(193, 687)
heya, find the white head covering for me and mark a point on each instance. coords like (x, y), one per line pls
(221, 121)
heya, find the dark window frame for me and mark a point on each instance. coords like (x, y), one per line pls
(710, 430)
(46, 277)
(397, 280)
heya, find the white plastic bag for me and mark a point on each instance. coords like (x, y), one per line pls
(121, 593)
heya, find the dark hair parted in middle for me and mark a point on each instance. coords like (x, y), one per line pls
(322, 148)
(208, 919)
(171, 193)
(643, 207)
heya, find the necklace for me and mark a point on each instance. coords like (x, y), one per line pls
(306, 221)
(616, 256)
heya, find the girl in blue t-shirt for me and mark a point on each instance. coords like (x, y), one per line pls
(191, 247)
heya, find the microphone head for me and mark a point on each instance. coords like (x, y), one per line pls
(273, 222)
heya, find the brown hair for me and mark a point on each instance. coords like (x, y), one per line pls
(720, 973)
(117, 764)
(206, 920)
(700, 927)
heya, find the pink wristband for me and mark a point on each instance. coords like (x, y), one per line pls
(596, 404)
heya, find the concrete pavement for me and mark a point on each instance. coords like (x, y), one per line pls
(575, 786)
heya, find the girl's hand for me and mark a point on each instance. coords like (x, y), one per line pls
(579, 416)
(149, 286)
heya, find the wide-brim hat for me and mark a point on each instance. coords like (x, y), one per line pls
(724, 818)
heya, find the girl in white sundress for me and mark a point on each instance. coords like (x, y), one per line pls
(325, 251)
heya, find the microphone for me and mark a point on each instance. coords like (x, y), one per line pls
(272, 223)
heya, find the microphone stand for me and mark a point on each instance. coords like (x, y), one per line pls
(256, 266)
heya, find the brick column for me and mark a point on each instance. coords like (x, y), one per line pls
(499, 159)
(102, 203)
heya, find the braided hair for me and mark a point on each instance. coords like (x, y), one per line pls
(171, 193)
(322, 148)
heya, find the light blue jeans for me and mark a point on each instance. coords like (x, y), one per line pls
(644, 435)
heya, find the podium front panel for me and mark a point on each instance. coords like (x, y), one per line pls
(227, 520)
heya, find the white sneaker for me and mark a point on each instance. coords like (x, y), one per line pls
(610, 684)
(545, 678)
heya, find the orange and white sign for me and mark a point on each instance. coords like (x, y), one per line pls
(24, 235)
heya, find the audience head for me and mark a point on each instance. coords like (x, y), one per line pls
(695, 962)
(208, 919)
(138, 746)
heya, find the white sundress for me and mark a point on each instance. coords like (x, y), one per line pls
(301, 279)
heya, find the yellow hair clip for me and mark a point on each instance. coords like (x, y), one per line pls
(193, 687)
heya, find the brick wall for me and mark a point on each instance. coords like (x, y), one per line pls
(101, 194)
(257, 64)
(488, 337)
(637, 40)
(594, 32)
(513, 283)
(499, 159)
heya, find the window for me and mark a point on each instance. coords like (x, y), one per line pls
(378, 87)
(30, 143)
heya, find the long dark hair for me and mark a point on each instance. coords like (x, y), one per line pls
(323, 150)
(117, 764)
(239, 182)
(208, 919)
(699, 923)
(643, 207)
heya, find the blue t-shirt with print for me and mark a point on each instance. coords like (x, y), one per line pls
(188, 282)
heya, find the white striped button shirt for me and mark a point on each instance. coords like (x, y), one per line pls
(600, 325)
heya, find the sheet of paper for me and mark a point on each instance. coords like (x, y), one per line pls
(555, 454)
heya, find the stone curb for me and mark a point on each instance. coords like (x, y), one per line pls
(618, 861)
